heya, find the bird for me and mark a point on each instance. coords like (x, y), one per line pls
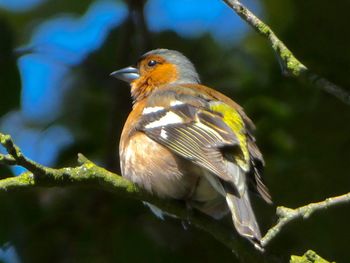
(186, 141)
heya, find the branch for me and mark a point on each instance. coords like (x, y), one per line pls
(89, 174)
(309, 257)
(291, 66)
(285, 214)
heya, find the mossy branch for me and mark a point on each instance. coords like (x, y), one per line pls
(309, 257)
(286, 215)
(291, 66)
(89, 174)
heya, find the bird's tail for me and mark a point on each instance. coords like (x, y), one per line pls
(243, 218)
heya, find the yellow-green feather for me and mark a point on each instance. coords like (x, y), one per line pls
(234, 120)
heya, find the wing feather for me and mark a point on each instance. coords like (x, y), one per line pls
(197, 135)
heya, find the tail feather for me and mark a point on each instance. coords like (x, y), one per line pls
(243, 217)
(239, 205)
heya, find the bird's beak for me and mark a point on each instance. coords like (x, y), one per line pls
(128, 74)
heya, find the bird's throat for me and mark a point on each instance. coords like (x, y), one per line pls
(141, 88)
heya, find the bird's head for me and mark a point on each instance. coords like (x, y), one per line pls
(155, 69)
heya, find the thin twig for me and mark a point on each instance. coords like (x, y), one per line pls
(291, 66)
(7, 159)
(285, 215)
(15, 156)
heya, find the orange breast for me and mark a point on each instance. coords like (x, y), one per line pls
(155, 168)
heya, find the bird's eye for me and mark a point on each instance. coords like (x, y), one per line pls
(152, 63)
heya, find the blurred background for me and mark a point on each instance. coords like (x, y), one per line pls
(57, 99)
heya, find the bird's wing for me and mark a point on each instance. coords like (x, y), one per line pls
(204, 135)
(256, 159)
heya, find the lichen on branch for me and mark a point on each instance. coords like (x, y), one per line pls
(291, 66)
(309, 257)
(89, 174)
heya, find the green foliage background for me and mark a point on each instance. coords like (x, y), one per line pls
(303, 132)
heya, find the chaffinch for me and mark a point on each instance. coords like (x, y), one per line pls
(186, 141)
